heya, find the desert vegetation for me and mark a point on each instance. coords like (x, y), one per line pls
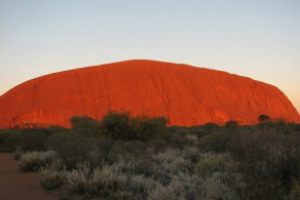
(139, 158)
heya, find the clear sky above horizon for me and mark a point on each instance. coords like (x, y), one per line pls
(253, 38)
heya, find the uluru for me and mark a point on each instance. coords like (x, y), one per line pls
(184, 94)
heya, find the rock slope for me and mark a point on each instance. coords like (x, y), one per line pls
(184, 94)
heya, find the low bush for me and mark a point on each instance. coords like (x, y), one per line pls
(214, 163)
(140, 185)
(174, 191)
(125, 127)
(35, 161)
(215, 142)
(86, 125)
(77, 180)
(5, 145)
(215, 188)
(122, 195)
(52, 179)
(32, 140)
(294, 194)
(17, 155)
(73, 147)
(23, 140)
(111, 180)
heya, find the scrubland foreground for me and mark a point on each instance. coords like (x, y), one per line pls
(140, 158)
(15, 185)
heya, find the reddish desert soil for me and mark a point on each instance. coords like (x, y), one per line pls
(16, 185)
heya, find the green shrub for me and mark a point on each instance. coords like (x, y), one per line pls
(124, 127)
(174, 191)
(104, 146)
(86, 125)
(52, 179)
(263, 118)
(169, 164)
(211, 127)
(17, 155)
(56, 129)
(199, 131)
(158, 145)
(112, 181)
(149, 128)
(231, 124)
(134, 148)
(140, 185)
(212, 163)
(99, 182)
(23, 140)
(277, 150)
(214, 188)
(122, 195)
(215, 142)
(294, 193)
(33, 140)
(192, 154)
(117, 126)
(35, 161)
(4, 144)
(77, 180)
(73, 147)
(176, 140)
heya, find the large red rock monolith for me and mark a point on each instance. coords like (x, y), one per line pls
(184, 94)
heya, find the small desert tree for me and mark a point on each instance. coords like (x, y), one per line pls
(121, 125)
(231, 124)
(263, 118)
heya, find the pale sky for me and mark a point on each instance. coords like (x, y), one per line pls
(254, 38)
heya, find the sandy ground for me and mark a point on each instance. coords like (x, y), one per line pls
(16, 185)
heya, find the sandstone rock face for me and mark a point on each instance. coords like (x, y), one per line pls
(184, 94)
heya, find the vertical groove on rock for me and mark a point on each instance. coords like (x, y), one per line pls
(92, 90)
(154, 81)
(80, 91)
(34, 96)
(181, 106)
(106, 89)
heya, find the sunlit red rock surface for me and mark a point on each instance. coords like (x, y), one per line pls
(186, 95)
